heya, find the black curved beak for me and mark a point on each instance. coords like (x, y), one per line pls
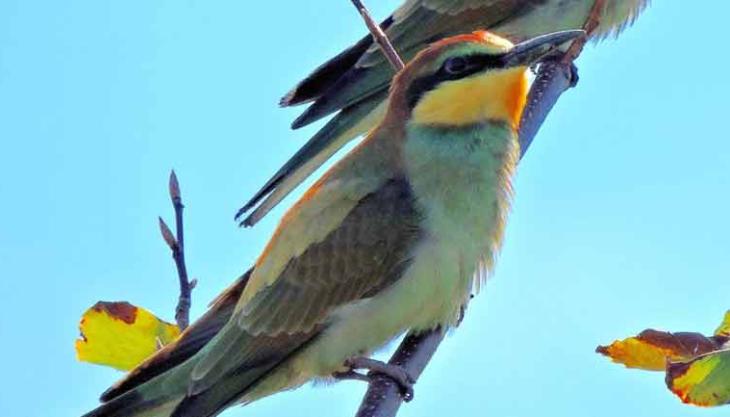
(534, 50)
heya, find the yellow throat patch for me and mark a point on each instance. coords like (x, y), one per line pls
(495, 95)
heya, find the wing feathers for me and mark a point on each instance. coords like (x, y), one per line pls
(322, 78)
(354, 259)
(359, 258)
(415, 25)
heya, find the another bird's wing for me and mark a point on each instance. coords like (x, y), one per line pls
(365, 253)
(356, 82)
(344, 80)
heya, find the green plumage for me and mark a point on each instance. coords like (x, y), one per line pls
(387, 241)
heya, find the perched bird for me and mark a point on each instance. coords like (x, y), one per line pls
(356, 81)
(393, 238)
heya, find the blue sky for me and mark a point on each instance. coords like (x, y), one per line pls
(619, 223)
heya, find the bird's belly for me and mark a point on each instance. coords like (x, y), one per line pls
(430, 293)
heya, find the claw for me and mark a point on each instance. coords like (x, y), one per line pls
(574, 78)
(351, 376)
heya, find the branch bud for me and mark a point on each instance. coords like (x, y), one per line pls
(167, 235)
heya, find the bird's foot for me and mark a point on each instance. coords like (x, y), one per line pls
(574, 77)
(394, 372)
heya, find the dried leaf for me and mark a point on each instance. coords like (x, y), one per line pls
(651, 350)
(724, 329)
(121, 335)
(703, 381)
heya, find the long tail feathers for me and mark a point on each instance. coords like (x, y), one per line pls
(133, 396)
(346, 126)
(217, 398)
(134, 404)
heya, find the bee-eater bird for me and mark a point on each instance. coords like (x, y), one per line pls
(356, 81)
(393, 238)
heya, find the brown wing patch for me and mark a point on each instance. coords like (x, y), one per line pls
(365, 254)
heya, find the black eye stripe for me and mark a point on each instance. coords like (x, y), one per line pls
(472, 65)
(455, 65)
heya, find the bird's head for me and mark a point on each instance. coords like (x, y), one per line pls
(469, 79)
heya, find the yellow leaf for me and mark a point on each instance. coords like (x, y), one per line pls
(651, 350)
(724, 329)
(703, 381)
(121, 335)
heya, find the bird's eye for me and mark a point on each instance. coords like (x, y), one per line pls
(455, 66)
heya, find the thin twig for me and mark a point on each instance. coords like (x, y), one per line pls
(380, 37)
(383, 397)
(590, 26)
(177, 246)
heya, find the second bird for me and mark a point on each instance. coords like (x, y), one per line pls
(356, 81)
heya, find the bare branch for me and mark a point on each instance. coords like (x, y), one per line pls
(384, 398)
(591, 24)
(177, 246)
(553, 78)
(380, 37)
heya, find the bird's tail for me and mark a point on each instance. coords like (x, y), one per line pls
(168, 395)
(130, 406)
(157, 397)
(157, 386)
(147, 400)
(163, 386)
(346, 126)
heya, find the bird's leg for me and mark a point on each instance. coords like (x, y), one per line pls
(394, 372)
(397, 373)
(351, 376)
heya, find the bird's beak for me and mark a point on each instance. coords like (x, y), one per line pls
(533, 50)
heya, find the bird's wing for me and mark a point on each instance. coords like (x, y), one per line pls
(404, 18)
(343, 81)
(190, 342)
(365, 253)
(356, 80)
